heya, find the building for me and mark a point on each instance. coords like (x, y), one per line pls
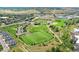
(75, 35)
(59, 16)
(19, 31)
(4, 17)
(8, 39)
(75, 38)
(4, 44)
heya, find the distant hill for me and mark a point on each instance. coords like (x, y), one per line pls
(29, 10)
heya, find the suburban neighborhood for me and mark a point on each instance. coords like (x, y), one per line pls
(39, 29)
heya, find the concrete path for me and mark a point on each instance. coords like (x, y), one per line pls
(54, 34)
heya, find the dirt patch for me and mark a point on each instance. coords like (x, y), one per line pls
(42, 48)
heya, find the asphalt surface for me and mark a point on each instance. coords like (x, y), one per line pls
(13, 24)
(76, 48)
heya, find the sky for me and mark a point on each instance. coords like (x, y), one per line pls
(39, 3)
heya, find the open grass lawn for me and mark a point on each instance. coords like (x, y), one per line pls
(59, 22)
(41, 21)
(37, 28)
(37, 37)
(11, 30)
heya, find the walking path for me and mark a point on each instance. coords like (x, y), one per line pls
(54, 34)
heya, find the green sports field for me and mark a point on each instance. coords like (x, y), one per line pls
(36, 38)
(39, 34)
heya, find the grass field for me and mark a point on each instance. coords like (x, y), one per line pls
(59, 22)
(39, 34)
(36, 38)
(10, 30)
(37, 28)
(41, 21)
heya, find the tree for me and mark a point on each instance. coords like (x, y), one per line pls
(67, 44)
(1, 48)
(66, 39)
(55, 28)
(55, 49)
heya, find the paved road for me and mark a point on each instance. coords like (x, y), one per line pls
(76, 48)
(13, 24)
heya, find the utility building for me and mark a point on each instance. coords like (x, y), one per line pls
(75, 38)
(19, 30)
